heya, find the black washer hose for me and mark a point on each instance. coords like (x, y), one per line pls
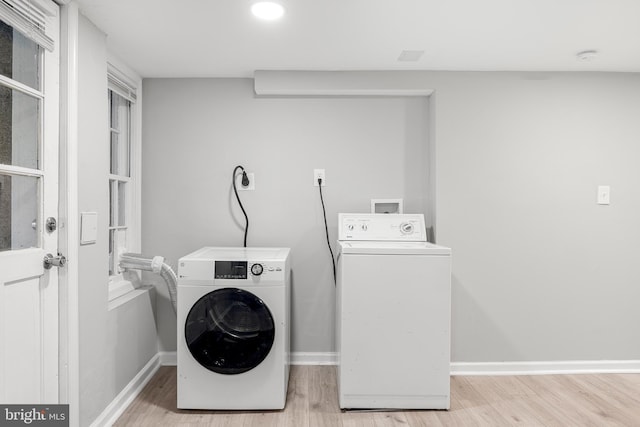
(235, 190)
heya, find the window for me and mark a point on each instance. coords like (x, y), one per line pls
(21, 103)
(123, 181)
(119, 176)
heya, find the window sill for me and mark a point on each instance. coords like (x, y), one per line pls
(129, 296)
(122, 290)
(119, 286)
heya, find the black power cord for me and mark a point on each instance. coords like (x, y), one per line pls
(326, 229)
(245, 182)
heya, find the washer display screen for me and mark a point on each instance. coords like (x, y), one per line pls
(230, 270)
(229, 331)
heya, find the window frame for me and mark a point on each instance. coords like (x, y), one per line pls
(122, 286)
(36, 93)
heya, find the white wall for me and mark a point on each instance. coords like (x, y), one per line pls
(540, 271)
(195, 131)
(114, 345)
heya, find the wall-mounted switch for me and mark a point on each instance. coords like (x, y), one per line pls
(319, 174)
(604, 191)
(88, 227)
(252, 182)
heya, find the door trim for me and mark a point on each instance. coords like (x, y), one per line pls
(69, 236)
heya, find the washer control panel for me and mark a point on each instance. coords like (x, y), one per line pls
(381, 227)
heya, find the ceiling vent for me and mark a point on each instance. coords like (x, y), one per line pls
(410, 55)
(587, 55)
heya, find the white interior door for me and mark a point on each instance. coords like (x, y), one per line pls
(29, 97)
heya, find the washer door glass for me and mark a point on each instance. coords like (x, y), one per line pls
(229, 331)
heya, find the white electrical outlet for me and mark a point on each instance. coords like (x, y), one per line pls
(252, 182)
(319, 174)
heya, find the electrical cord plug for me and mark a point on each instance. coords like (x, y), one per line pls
(319, 182)
(235, 190)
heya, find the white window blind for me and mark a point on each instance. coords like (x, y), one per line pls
(119, 84)
(29, 17)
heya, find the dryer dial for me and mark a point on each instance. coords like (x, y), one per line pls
(257, 269)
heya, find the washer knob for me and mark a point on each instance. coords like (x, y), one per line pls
(257, 269)
(406, 228)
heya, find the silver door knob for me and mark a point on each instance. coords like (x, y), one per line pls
(54, 261)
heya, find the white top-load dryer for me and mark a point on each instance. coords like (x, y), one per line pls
(393, 314)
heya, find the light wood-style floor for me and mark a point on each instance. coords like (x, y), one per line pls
(541, 400)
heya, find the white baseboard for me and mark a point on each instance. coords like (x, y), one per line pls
(168, 358)
(309, 358)
(546, 368)
(117, 407)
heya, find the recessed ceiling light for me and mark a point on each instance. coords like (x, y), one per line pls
(267, 10)
(587, 55)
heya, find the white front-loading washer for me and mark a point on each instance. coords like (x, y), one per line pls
(233, 328)
(393, 314)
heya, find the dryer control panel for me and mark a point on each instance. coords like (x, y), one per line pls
(248, 271)
(237, 265)
(382, 227)
(242, 270)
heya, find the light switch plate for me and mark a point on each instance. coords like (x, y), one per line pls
(604, 193)
(88, 227)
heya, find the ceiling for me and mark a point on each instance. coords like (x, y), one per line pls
(220, 38)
